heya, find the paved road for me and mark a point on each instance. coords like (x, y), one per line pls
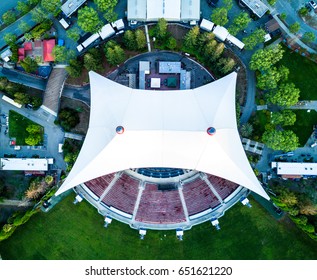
(7, 5)
(22, 78)
(14, 28)
(290, 8)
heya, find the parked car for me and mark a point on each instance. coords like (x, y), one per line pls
(313, 4)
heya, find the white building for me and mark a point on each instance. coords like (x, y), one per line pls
(25, 164)
(171, 10)
(192, 129)
(295, 169)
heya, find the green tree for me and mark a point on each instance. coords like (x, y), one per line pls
(33, 2)
(217, 52)
(36, 102)
(52, 6)
(171, 43)
(9, 17)
(91, 63)
(228, 4)
(10, 38)
(294, 28)
(271, 2)
(285, 117)
(3, 83)
(271, 78)
(303, 11)
(74, 69)
(254, 39)
(68, 118)
(220, 16)
(23, 7)
(140, 39)
(73, 33)
(240, 22)
(59, 53)
(110, 16)
(286, 95)
(246, 130)
(115, 55)
(21, 98)
(24, 27)
(285, 140)
(33, 140)
(226, 64)
(129, 40)
(264, 59)
(34, 129)
(104, 5)
(283, 16)
(88, 20)
(29, 64)
(39, 15)
(191, 38)
(161, 29)
(308, 37)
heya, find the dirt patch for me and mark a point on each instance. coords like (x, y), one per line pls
(83, 111)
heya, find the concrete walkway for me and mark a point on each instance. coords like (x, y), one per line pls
(292, 36)
(18, 203)
(305, 105)
(148, 42)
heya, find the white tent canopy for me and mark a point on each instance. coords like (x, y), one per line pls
(163, 129)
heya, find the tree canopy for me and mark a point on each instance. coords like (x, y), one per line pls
(286, 95)
(285, 140)
(271, 78)
(294, 28)
(254, 39)
(220, 16)
(114, 53)
(264, 59)
(285, 117)
(240, 22)
(161, 28)
(88, 20)
(52, 6)
(104, 5)
(191, 38)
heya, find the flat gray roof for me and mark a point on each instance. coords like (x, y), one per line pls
(168, 67)
(256, 6)
(71, 6)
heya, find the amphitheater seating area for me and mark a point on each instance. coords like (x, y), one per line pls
(100, 184)
(160, 206)
(223, 187)
(198, 196)
(123, 194)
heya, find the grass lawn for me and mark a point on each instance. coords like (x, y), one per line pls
(17, 127)
(304, 124)
(76, 232)
(303, 73)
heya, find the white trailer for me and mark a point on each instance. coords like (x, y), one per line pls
(90, 40)
(106, 31)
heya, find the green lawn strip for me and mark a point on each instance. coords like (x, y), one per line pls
(17, 127)
(76, 232)
(303, 126)
(303, 73)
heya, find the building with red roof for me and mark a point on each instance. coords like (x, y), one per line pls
(48, 46)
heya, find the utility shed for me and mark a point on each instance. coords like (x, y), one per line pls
(206, 25)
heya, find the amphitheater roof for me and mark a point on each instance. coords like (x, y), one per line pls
(163, 129)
